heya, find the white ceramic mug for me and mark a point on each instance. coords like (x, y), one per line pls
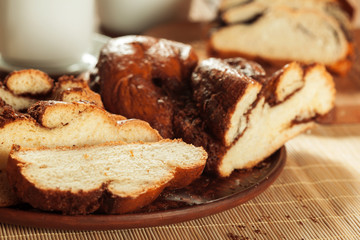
(134, 16)
(45, 33)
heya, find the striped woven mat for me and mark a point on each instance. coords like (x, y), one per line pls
(317, 196)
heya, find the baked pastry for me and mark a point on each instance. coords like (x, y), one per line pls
(112, 178)
(148, 68)
(21, 89)
(281, 31)
(54, 123)
(230, 107)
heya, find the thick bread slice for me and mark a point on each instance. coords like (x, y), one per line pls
(54, 123)
(283, 31)
(113, 177)
(277, 118)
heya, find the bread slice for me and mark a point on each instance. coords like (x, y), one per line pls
(113, 177)
(282, 31)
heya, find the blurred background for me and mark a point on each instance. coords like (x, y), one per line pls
(128, 16)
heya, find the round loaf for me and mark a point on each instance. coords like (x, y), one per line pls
(137, 74)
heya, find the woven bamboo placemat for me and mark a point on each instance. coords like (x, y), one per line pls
(317, 196)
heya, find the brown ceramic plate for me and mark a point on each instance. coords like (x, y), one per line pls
(206, 196)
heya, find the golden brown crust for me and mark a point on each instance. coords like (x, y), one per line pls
(41, 87)
(116, 205)
(12, 80)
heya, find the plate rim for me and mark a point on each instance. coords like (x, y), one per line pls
(137, 220)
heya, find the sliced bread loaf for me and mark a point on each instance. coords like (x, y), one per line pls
(281, 31)
(113, 177)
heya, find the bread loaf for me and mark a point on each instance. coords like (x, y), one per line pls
(148, 68)
(112, 178)
(282, 31)
(230, 107)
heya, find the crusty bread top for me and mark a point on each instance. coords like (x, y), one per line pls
(112, 170)
(29, 82)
